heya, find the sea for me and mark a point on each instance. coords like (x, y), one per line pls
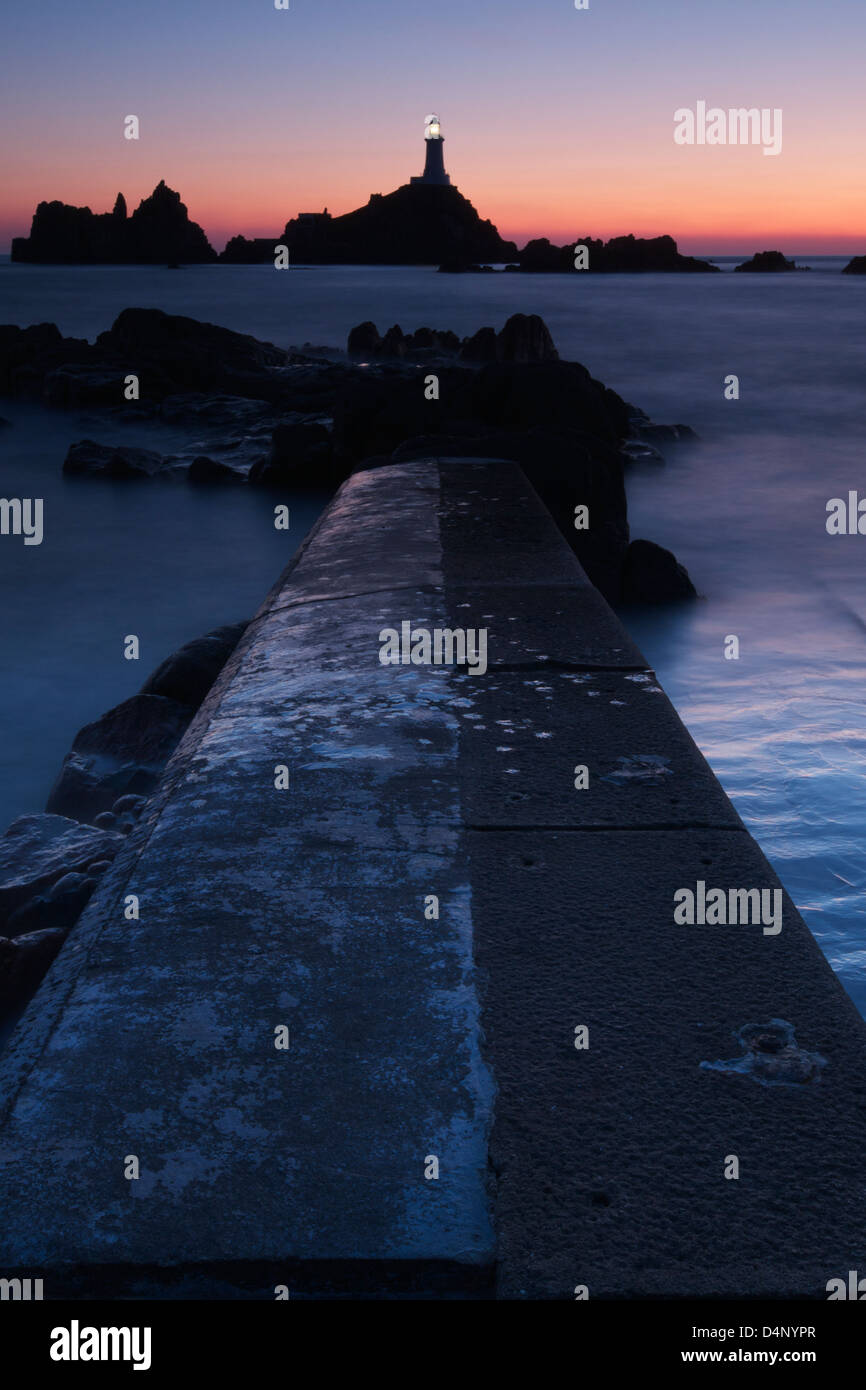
(744, 509)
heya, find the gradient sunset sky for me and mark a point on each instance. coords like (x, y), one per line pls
(557, 122)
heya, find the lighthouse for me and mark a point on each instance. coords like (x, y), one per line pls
(434, 167)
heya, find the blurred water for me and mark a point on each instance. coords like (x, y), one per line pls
(784, 727)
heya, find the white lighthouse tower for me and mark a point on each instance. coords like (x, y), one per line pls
(434, 167)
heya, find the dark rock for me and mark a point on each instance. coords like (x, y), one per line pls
(652, 574)
(525, 338)
(28, 354)
(301, 455)
(124, 751)
(23, 963)
(640, 452)
(106, 820)
(481, 347)
(627, 254)
(38, 850)
(393, 343)
(58, 909)
(241, 250)
(201, 409)
(856, 266)
(185, 678)
(666, 434)
(158, 231)
(77, 384)
(520, 396)
(171, 353)
(98, 867)
(364, 342)
(767, 261)
(204, 469)
(417, 224)
(88, 459)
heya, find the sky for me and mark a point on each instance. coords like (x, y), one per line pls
(558, 122)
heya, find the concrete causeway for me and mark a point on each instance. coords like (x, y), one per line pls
(420, 1043)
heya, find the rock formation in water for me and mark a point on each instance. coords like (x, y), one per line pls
(767, 262)
(622, 253)
(418, 224)
(158, 232)
(856, 266)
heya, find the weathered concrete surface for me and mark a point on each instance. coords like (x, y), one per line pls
(410, 1037)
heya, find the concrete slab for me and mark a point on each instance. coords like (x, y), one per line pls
(524, 734)
(610, 1161)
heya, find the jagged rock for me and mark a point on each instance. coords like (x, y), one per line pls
(88, 459)
(158, 231)
(364, 342)
(301, 455)
(38, 850)
(620, 254)
(767, 261)
(856, 266)
(393, 343)
(187, 675)
(481, 347)
(417, 224)
(652, 574)
(525, 338)
(124, 751)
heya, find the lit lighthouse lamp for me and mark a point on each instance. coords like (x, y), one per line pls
(434, 167)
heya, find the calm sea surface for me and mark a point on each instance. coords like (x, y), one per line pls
(784, 727)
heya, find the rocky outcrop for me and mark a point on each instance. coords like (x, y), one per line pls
(856, 266)
(620, 254)
(415, 225)
(158, 231)
(50, 864)
(767, 262)
(123, 752)
(87, 459)
(651, 574)
(524, 338)
(37, 851)
(188, 674)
